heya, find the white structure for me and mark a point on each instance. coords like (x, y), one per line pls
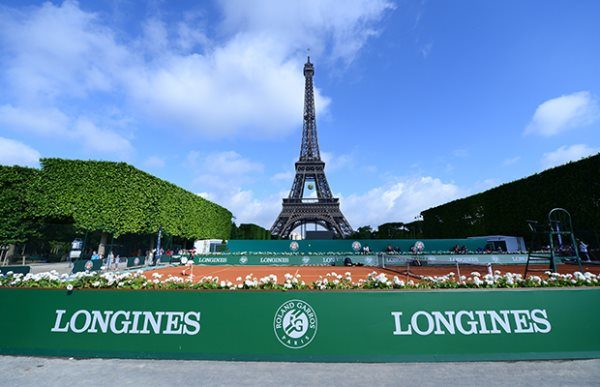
(508, 244)
(207, 246)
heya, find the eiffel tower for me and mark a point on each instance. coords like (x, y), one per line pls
(323, 210)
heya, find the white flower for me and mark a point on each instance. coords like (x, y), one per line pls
(69, 287)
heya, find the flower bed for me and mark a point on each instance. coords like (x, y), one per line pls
(137, 280)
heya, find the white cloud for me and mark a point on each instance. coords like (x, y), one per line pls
(340, 28)
(16, 153)
(47, 122)
(401, 200)
(563, 113)
(99, 139)
(227, 164)
(58, 51)
(564, 154)
(174, 74)
(53, 123)
(247, 208)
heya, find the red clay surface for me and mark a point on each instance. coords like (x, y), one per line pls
(312, 273)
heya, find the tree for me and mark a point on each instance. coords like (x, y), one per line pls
(16, 225)
(363, 232)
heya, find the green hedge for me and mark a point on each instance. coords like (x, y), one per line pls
(504, 210)
(249, 231)
(105, 196)
(15, 224)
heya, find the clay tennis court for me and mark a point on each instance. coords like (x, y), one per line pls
(313, 273)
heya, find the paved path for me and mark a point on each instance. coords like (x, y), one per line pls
(60, 267)
(28, 371)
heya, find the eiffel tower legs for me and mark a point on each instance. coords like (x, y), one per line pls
(324, 212)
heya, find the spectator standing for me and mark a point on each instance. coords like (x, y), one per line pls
(109, 259)
(583, 250)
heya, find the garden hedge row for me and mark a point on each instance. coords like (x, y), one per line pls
(504, 210)
(112, 197)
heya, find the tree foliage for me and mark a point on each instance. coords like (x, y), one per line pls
(119, 199)
(249, 231)
(16, 225)
(363, 232)
(504, 210)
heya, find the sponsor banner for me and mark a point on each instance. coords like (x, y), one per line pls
(136, 261)
(370, 326)
(87, 265)
(214, 260)
(288, 260)
(367, 260)
(499, 259)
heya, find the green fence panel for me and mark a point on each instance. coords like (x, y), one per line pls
(349, 245)
(87, 265)
(367, 326)
(368, 260)
(136, 261)
(15, 269)
(284, 260)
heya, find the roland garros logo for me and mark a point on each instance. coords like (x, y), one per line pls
(356, 245)
(295, 324)
(294, 246)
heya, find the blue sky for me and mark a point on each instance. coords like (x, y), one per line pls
(418, 102)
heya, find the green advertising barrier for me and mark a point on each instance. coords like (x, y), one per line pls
(350, 245)
(367, 326)
(367, 260)
(15, 269)
(136, 261)
(87, 265)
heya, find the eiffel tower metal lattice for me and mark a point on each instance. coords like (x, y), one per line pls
(323, 209)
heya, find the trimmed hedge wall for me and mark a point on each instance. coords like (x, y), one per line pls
(15, 214)
(114, 198)
(504, 210)
(249, 231)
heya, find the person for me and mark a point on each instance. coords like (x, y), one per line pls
(109, 259)
(95, 256)
(583, 250)
(117, 260)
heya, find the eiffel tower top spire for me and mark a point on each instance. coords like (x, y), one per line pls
(309, 150)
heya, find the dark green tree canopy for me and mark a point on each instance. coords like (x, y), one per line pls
(249, 231)
(109, 197)
(15, 211)
(504, 210)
